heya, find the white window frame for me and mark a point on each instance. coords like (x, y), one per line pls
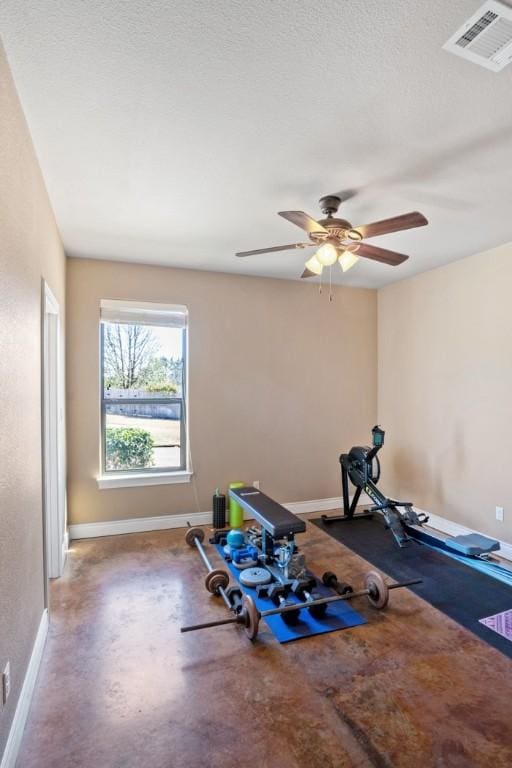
(152, 314)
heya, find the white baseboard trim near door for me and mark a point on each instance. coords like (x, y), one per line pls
(20, 716)
(137, 525)
(451, 528)
(65, 547)
(164, 522)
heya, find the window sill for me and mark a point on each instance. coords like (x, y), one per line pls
(140, 479)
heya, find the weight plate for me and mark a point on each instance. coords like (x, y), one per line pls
(194, 533)
(248, 563)
(215, 580)
(251, 617)
(252, 577)
(378, 592)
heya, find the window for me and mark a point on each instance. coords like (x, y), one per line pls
(143, 390)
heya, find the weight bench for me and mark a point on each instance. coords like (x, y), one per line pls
(277, 522)
(275, 519)
(472, 544)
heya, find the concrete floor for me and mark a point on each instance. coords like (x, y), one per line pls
(120, 687)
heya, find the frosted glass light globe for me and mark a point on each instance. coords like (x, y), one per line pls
(314, 265)
(327, 254)
(347, 260)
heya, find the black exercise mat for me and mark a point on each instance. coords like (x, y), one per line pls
(456, 589)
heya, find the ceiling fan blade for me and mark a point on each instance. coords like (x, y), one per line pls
(275, 248)
(346, 194)
(308, 273)
(381, 254)
(303, 221)
(395, 224)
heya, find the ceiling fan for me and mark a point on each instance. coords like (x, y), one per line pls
(337, 240)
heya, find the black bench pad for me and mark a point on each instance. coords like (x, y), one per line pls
(275, 519)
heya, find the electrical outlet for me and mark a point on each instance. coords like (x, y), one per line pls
(6, 682)
(499, 514)
(256, 484)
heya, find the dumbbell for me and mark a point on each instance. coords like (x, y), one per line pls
(329, 579)
(278, 593)
(303, 589)
(235, 595)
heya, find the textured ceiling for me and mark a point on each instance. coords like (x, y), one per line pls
(172, 132)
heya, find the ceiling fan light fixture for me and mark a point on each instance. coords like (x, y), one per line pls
(314, 265)
(347, 260)
(327, 254)
(354, 234)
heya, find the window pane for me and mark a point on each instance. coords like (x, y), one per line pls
(142, 436)
(142, 361)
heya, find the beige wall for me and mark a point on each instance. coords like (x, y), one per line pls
(280, 381)
(30, 249)
(445, 390)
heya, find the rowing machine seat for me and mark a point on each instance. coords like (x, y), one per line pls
(472, 544)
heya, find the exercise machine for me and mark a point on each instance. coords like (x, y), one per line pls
(361, 466)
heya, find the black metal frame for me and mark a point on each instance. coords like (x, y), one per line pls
(357, 466)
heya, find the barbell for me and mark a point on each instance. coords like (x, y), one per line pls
(217, 579)
(376, 590)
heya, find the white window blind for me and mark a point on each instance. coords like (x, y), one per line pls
(143, 313)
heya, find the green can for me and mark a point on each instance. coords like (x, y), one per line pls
(236, 513)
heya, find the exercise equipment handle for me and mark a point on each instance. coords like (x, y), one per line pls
(204, 556)
(240, 619)
(208, 624)
(310, 603)
(333, 599)
(209, 566)
(405, 584)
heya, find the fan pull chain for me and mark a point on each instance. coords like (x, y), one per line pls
(330, 284)
(320, 285)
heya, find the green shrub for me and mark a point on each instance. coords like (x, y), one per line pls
(161, 386)
(128, 448)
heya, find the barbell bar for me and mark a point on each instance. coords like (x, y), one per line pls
(376, 590)
(216, 579)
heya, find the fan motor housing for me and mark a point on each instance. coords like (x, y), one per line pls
(336, 227)
(329, 204)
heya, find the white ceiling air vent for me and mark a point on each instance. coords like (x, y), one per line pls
(486, 38)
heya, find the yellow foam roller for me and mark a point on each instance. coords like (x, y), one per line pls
(236, 513)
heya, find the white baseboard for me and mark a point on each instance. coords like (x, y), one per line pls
(317, 505)
(137, 525)
(20, 716)
(451, 528)
(164, 522)
(65, 547)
